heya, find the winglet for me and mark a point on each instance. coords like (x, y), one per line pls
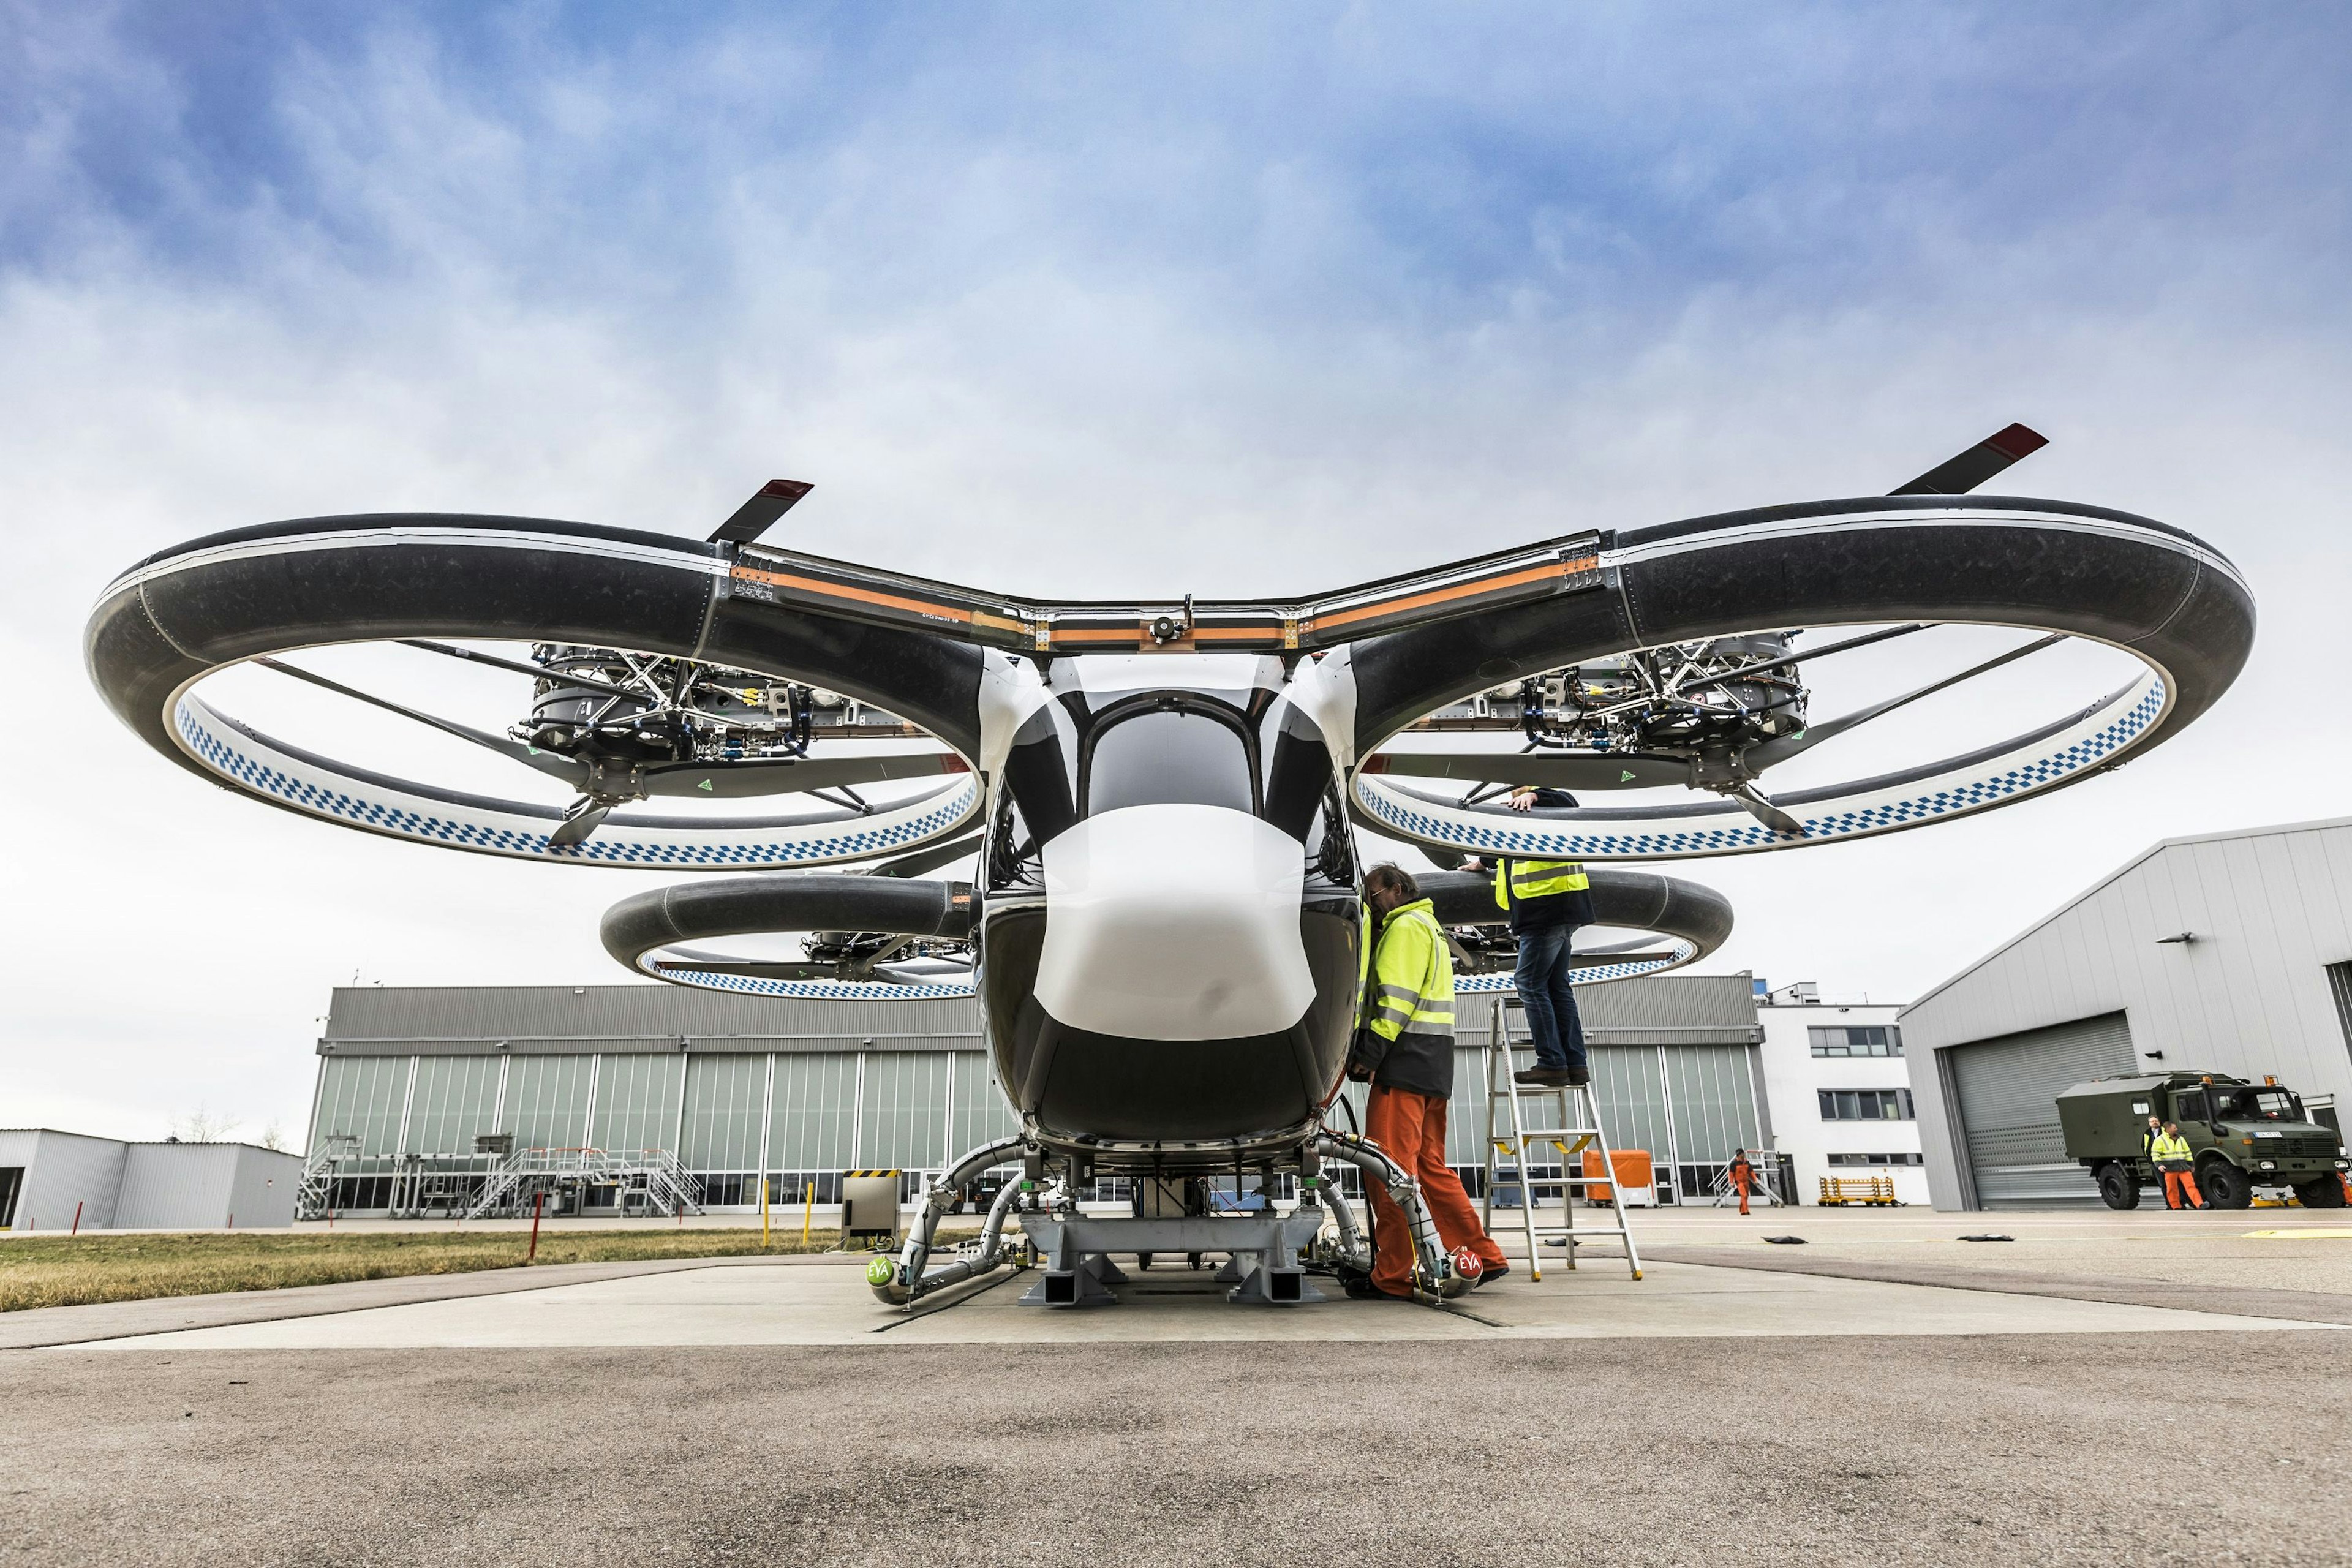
(1977, 464)
(756, 516)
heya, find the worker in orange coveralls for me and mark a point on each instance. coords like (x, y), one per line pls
(1404, 1048)
(1743, 1177)
(2170, 1153)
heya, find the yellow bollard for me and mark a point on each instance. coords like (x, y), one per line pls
(807, 1208)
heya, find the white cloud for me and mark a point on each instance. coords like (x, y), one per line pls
(1025, 348)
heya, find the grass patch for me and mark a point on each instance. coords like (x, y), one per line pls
(69, 1271)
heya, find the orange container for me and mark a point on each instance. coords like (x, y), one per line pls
(1632, 1171)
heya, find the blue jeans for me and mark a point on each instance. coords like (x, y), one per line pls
(1542, 979)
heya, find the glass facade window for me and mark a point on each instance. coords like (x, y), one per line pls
(1866, 1104)
(811, 1118)
(547, 1101)
(455, 1098)
(725, 1095)
(1856, 1040)
(636, 1101)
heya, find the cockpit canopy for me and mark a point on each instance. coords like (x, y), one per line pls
(1249, 751)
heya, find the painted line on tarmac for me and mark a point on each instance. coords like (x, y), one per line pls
(2315, 1232)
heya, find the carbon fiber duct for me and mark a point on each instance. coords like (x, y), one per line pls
(1640, 901)
(2045, 565)
(817, 900)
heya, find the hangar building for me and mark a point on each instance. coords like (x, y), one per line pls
(57, 1180)
(729, 1091)
(2225, 952)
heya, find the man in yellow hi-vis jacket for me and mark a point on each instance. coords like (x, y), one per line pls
(1548, 899)
(1404, 1046)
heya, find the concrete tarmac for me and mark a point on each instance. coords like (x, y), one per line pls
(2095, 1449)
(767, 1410)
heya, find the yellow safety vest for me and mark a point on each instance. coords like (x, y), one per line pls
(1412, 987)
(2168, 1146)
(1516, 881)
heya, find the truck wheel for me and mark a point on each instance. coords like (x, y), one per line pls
(2321, 1193)
(2118, 1185)
(2224, 1185)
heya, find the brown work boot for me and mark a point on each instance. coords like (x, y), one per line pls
(1545, 1078)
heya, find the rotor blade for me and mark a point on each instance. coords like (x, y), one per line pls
(737, 781)
(578, 823)
(563, 768)
(1775, 752)
(927, 859)
(759, 514)
(1765, 811)
(1977, 464)
(535, 672)
(1587, 770)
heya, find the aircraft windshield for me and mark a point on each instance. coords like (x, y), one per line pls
(1167, 757)
(2255, 1105)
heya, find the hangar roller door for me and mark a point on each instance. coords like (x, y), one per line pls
(2006, 1090)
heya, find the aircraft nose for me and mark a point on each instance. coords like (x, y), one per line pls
(1174, 922)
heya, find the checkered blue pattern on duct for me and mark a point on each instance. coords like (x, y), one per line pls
(2087, 751)
(824, 990)
(1501, 985)
(612, 845)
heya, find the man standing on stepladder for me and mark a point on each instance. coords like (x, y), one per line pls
(1548, 900)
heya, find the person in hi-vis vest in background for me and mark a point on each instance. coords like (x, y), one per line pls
(1548, 899)
(2169, 1151)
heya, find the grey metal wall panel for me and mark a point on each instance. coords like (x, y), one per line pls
(723, 1111)
(622, 1016)
(180, 1187)
(68, 1170)
(2272, 909)
(2007, 1091)
(262, 1193)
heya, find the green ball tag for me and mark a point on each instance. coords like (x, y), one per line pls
(879, 1271)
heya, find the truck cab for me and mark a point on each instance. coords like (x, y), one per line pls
(2244, 1137)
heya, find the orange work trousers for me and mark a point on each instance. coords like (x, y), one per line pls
(1739, 1180)
(1410, 1128)
(2177, 1182)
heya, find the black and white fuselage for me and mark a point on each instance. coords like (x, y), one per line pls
(1169, 933)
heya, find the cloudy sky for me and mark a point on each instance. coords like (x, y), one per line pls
(1104, 299)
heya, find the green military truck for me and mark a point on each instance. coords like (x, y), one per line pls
(2242, 1136)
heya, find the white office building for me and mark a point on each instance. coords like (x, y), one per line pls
(1837, 1091)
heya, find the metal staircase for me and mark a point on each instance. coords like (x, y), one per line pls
(655, 1174)
(314, 1197)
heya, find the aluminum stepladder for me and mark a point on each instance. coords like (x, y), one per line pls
(1575, 1128)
